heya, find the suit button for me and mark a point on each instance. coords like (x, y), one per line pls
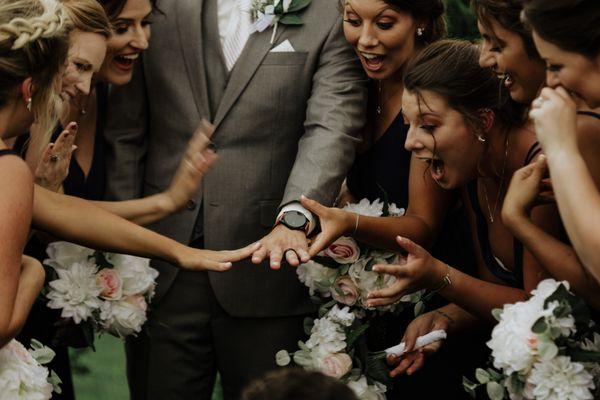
(191, 205)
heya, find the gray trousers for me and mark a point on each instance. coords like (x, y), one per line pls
(189, 337)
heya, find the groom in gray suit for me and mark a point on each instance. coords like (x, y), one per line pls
(287, 118)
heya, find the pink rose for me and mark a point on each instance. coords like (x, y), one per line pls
(111, 284)
(138, 301)
(345, 291)
(336, 365)
(532, 340)
(344, 250)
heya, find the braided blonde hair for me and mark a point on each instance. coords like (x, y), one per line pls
(33, 43)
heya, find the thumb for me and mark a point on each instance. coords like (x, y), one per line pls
(410, 246)
(313, 206)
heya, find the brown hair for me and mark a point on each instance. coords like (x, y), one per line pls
(297, 384)
(451, 68)
(114, 7)
(429, 11)
(88, 16)
(508, 14)
(572, 25)
(34, 43)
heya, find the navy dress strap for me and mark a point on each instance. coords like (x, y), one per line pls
(533, 151)
(515, 278)
(4, 152)
(589, 113)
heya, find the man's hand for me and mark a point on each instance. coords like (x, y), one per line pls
(283, 242)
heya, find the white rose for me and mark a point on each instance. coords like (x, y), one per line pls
(137, 275)
(342, 316)
(65, 254)
(511, 337)
(75, 292)
(124, 317)
(545, 288)
(336, 365)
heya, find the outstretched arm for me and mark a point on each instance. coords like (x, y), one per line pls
(80, 221)
(428, 205)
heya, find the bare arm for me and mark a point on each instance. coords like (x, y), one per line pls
(427, 207)
(16, 199)
(80, 221)
(574, 188)
(31, 281)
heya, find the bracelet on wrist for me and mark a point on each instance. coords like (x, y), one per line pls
(443, 283)
(356, 224)
(444, 314)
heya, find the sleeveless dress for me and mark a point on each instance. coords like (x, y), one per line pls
(42, 323)
(384, 168)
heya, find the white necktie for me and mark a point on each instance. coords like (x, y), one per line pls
(239, 32)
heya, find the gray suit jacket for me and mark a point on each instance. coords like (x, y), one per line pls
(287, 124)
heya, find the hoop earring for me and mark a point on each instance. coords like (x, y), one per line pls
(481, 138)
(29, 104)
(420, 31)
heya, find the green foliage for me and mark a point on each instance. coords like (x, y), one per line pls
(461, 20)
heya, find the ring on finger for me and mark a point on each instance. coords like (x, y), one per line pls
(54, 158)
(538, 101)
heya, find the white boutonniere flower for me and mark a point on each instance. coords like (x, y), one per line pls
(270, 13)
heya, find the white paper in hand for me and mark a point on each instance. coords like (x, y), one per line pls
(424, 340)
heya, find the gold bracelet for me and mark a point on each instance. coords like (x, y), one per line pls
(445, 281)
(443, 314)
(356, 223)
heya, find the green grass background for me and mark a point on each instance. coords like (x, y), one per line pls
(100, 375)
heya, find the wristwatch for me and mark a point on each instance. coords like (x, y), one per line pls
(295, 221)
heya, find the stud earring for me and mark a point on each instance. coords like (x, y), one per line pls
(420, 31)
(29, 104)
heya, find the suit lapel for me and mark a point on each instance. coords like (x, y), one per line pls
(189, 15)
(256, 49)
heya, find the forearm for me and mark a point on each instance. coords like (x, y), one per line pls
(459, 319)
(31, 282)
(382, 231)
(140, 211)
(579, 205)
(479, 297)
(82, 222)
(558, 258)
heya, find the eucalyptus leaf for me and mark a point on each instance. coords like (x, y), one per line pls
(353, 336)
(308, 325)
(495, 375)
(282, 358)
(494, 390)
(55, 380)
(419, 308)
(482, 375)
(540, 326)
(547, 350)
(469, 386)
(497, 313)
(580, 355)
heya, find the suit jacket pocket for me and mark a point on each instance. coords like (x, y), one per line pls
(268, 212)
(285, 58)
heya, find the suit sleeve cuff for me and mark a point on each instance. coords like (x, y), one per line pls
(296, 206)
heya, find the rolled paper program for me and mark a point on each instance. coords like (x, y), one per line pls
(424, 340)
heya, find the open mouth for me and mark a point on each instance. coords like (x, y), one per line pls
(125, 62)
(373, 62)
(436, 167)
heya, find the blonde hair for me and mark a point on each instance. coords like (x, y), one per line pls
(88, 16)
(34, 43)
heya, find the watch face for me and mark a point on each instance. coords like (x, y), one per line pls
(294, 219)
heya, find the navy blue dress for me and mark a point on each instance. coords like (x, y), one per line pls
(43, 323)
(384, 168)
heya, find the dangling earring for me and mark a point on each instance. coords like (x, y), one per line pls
(29, 104)
(481, 138)
(420, 31)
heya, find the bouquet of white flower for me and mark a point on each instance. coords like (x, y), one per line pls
(104, 292)
(22, 374)
(333, 350)
(344, 272)
(544, 348)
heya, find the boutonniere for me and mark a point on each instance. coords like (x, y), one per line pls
(270, 13)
